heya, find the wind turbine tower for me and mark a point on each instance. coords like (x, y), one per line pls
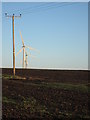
(26, 55)
(23, 50)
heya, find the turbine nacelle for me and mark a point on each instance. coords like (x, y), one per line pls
(23, 46)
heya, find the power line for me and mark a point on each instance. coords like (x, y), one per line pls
(49, 5)
(44, 6)
(31, 8)
(49, 8)
(36, 7)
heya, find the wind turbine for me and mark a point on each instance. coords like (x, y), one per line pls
(26, 57)
(23, 48)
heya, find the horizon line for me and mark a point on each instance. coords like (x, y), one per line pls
(46, 68)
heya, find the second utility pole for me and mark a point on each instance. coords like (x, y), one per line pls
(13, 40)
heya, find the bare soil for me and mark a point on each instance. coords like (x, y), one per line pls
(45, 95)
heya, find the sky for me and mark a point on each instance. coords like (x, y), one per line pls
(59, 33)
(0, 36)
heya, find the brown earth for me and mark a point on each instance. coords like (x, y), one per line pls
(39, 96)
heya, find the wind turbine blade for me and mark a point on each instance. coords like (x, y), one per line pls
(32, 48)
(25, 52)
(32, 56)
(19, 51)
(21, 62)
(22, 38)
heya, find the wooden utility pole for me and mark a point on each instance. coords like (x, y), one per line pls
(13, 16)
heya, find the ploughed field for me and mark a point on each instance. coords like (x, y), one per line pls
(45, 94)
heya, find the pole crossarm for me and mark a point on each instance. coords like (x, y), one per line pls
(9, 16)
